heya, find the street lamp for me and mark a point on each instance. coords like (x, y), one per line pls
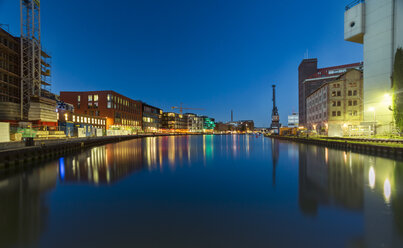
(372, 109)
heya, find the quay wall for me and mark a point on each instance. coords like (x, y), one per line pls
(347, 145)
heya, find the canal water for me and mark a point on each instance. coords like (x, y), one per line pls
(205, 191)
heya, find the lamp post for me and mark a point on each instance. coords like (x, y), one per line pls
(372, 109)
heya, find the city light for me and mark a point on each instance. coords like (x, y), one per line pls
(371, 177)
(387, 190)
(387, 99)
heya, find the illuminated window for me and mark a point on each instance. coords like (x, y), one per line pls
(89, 97)
(85, 119)
(78, 98)
(74, 118)
(95, 98)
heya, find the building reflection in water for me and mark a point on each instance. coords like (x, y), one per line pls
(372, 186)
(24, 211)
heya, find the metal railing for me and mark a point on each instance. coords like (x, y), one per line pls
(354, 3)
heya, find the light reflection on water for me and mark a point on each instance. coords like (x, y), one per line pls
(206, 191)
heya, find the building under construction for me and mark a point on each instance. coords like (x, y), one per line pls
(25, 73)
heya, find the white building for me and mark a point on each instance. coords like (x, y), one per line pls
(378, 25)
(293, 120)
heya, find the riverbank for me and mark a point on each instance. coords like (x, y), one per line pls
(14, 155)
(381, 147)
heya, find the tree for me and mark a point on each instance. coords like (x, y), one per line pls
(397, 78)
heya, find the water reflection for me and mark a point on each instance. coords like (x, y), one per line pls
(369, 185)
(218, 185)
(23, 208)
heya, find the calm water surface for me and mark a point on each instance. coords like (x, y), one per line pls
(205, 191)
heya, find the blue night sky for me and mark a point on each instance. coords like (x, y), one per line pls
(213, 54)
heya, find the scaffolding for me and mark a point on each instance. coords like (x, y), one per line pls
(30, 54)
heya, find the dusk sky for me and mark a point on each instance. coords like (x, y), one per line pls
(213, 54)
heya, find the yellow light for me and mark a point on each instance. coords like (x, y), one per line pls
(387, 99)
(372, 109)
(345, 125)
(371, 178)
(387, 190)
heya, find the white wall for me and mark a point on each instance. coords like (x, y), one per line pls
(378, 57)
(4, 132)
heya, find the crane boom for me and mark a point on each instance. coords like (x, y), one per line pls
(181, 108)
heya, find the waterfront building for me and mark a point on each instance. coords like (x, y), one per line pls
(174, 121)
(336, 108)
(151, 118)
(378, 25)
(310, 78)
(293, 120)
(41, 111)
(122, 113)
(77, 124)
(194, 122)
(208, 124)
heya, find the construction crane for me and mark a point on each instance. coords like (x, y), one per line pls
(181, 108)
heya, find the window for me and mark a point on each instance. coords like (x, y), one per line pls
(333, 103)
(350, 103)
(338, 103)
(338, 93)
(355, 103)
(338, 113)
(350, 93)
(89, 104)
(74, 118)
(350, 113)
(95, 98)
(354, 92)
(333, 93)
(78, 98)
(109, 105)
(90, 98)
(334, 113)
(95, 104)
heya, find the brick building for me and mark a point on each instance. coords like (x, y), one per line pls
(336, 108)
(121, 112)
(310, 78)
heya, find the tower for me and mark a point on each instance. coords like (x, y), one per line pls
(232, 116)
(275, 118)
(30, 42)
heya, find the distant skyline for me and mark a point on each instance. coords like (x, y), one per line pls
(213, 54)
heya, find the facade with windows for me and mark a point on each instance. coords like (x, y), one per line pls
(122, 113)
(151, 118)
(293, 120)
(194, 122)
(336, 108)
(174, 121)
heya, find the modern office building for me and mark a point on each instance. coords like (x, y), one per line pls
(310, 78)
(378, 25)
(151, 118)
(122, 113)
(336, 108)
(293, 120)
(174, 121)
(194, 122)
(208, 124)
